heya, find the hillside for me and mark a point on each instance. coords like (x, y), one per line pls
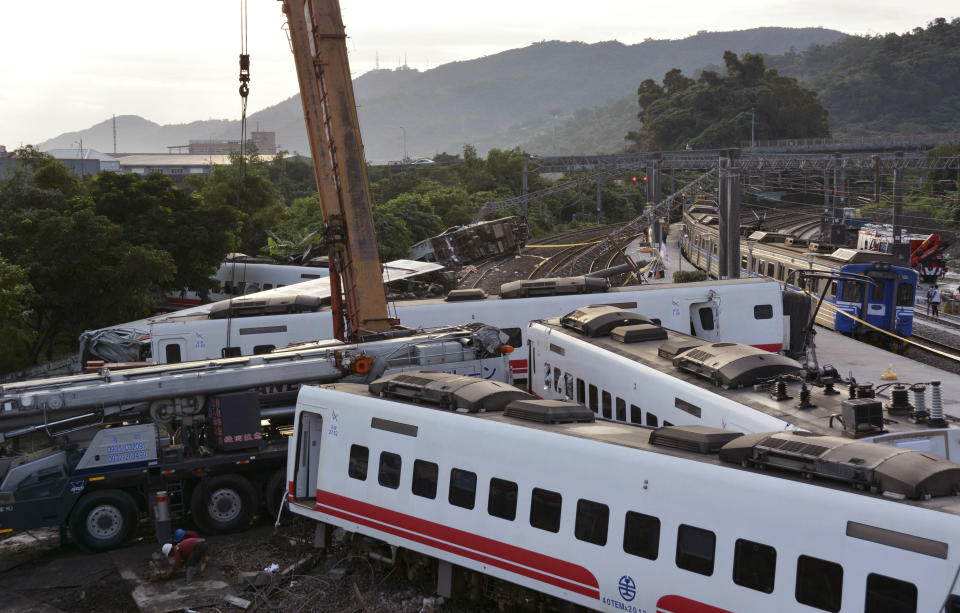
(893, 83)
(501, 100)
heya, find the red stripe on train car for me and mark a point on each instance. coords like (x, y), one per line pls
(678, 604)
(519, 367)
(771, 347)
(556, 572)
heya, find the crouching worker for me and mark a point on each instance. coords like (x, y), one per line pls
(190, 552)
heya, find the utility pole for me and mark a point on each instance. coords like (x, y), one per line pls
(752, 141)
(524, 199)
(728, 252)
(899, 249)
(876, 178)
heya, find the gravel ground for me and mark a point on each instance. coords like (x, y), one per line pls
(42, 577)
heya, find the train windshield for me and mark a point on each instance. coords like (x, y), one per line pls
(853, 291)
(905, 294)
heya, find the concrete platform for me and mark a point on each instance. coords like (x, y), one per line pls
(671, 263)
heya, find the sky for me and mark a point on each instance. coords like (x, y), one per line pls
(67, 65)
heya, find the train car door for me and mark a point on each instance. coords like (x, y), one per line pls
(308, 456)
(878, 301)
(704, 320)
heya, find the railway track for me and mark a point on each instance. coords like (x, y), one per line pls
(580, 242)
(949, 321)
(934, 344)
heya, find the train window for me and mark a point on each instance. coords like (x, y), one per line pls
(889, 595)
(652, 420)
(227, 287)
(833, 289)
(172, 353)
(635, 415)
(593, 398)
(771, 268)
(267, 286)
(819, 583)
(706, 318)
(763, 311)
(389, 475)
(230, 352)
(852, 291)
(754, 565)
(502, 501)
(695, 549)
(621, 410)
(641, 535)
(568, 385)
(877, 293)
(905, 293)
(261, 349)
(666, 423)
(743, 262)
(557, 380)
(592, 520)
(425, 479)
(359, 456)
(605, 402)
(463, 488)
(514, 336)
(581, 392)
(547, 376)
(545, 510)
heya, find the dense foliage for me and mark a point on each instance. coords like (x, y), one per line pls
(80, 253)
(717, 111)
(889, 83)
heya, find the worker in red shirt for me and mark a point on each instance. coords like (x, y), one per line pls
(191, 552)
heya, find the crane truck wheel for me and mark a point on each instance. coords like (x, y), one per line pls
(223, 503)
(274, 493)
(103, 519)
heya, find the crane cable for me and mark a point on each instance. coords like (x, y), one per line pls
(244, 91)
(244, 81)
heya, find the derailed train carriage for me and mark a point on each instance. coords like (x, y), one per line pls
(466, 244)
(533, 504)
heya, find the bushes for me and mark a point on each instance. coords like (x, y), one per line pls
(689, 276)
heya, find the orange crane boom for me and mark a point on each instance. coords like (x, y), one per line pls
(318, 42)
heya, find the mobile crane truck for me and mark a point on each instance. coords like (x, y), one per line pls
(93, 453)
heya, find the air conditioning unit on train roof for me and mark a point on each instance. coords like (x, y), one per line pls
(734, 365)
(448, 391)
(600, 320)
(553, 286)
(881, 468)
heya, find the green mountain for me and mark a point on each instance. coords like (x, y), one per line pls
(501, 100)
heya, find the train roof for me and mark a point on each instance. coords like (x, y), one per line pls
(604, 296)
(879, 471)
(755, 378)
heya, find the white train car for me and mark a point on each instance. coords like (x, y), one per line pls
(244, 275)
(625, 369)
(529, 495)
(718, 310)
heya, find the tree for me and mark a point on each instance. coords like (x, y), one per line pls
(716, 111)
(153, 212)
(245, 186)
(417, 215)
(16, 310)
(84, 274)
